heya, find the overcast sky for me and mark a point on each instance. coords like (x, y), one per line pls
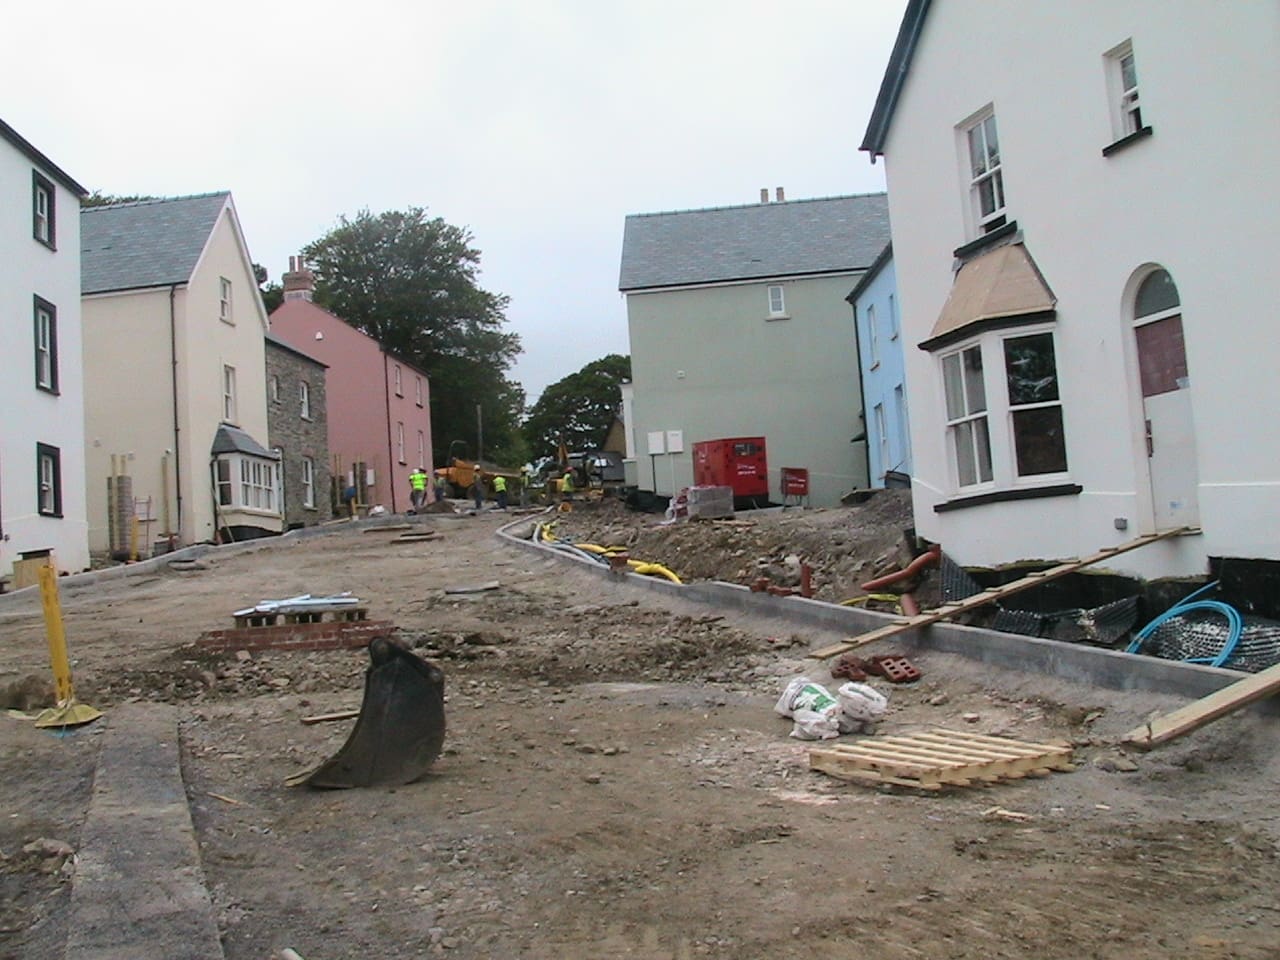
(537, 125)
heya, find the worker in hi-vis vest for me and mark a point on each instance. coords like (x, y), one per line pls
(566, 485)
(500, 491)
(417, 489)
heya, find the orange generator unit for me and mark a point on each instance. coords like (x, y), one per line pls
(737, 462)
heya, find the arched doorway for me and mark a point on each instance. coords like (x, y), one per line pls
(1166, 402)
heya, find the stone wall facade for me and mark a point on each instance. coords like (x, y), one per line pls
(299, 434)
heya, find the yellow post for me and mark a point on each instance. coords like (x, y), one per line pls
(54, 630)
(67, 713)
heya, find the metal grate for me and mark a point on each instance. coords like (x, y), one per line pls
(1200, 634)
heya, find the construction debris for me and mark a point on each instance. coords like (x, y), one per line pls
(473, 588)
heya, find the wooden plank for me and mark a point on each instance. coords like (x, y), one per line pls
(987, 596)
(1206, 709)
(327, 717)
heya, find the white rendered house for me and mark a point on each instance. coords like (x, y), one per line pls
(42, 495)
(1080, 227)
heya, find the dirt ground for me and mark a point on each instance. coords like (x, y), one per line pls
(615, 782)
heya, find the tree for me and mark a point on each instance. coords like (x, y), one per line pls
(580, 408)
(411, 282)
(272, 293)
(100, 199)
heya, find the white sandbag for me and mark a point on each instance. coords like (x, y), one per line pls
(811, 725)
(862, 702)
(815, 711)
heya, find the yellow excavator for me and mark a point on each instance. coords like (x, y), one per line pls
(459, 473)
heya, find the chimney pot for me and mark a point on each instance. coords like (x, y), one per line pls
(299, 282)
(780, 195)
(764, 194)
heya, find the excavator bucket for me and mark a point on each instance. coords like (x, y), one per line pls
(400, 729)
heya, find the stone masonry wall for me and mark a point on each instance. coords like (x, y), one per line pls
(298, 437)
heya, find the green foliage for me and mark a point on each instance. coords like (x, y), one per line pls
(272, 293)
(100, 199)
(411, 282)
(581, 407)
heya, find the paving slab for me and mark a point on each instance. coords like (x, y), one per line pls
(139, 891)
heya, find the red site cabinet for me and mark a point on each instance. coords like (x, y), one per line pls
(738, 462)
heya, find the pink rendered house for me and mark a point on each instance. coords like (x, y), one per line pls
(379, 406)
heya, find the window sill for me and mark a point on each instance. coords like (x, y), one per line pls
(229, 323)
(52, 391)
(986, 241)
(777, 316)
(874, 366)
(51, 516)
(418, 404)
(1003, 496)
(47, 244)
(1130, 140)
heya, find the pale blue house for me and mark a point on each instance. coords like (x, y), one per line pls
(879, 333)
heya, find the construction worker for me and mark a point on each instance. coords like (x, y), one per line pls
(477, 489)
(417, 489)
(566, 485)
(524, 485)
(442, 489)
(500, 491)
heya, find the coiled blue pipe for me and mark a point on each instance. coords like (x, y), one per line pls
(1235, 624)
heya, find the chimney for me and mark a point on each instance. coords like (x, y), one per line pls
(764, 194)
(299, 282)
(780, 195)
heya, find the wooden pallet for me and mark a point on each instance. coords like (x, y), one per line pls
(337, 613)
(903, 624)
(937, 758)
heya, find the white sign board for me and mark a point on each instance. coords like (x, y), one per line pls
(675, 441)
(657, 442)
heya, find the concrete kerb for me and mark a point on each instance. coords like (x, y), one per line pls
(1080, 663)
(198, 550)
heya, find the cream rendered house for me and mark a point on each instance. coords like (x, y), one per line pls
(175, 394)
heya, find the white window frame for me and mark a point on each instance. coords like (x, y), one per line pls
(400, 441)
(777, 302)
(258, 484)
(999, 415)
(422, 450)
(48, 480)
(308, 482)
(43, 205)
(229, 393)
(903, 438)
(1012, 409)
(968, 426)
(399, 385)
(417, 390)
(873, 337)
(304, 397)
(46, 344)
(977, 133)
(273, 386)
(882, 436)
(1126, 106)
(895, 328)
(224, 301)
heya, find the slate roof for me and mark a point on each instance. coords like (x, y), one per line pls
(150, 243)
(285, 345)
(763, 240)
(231, 439)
